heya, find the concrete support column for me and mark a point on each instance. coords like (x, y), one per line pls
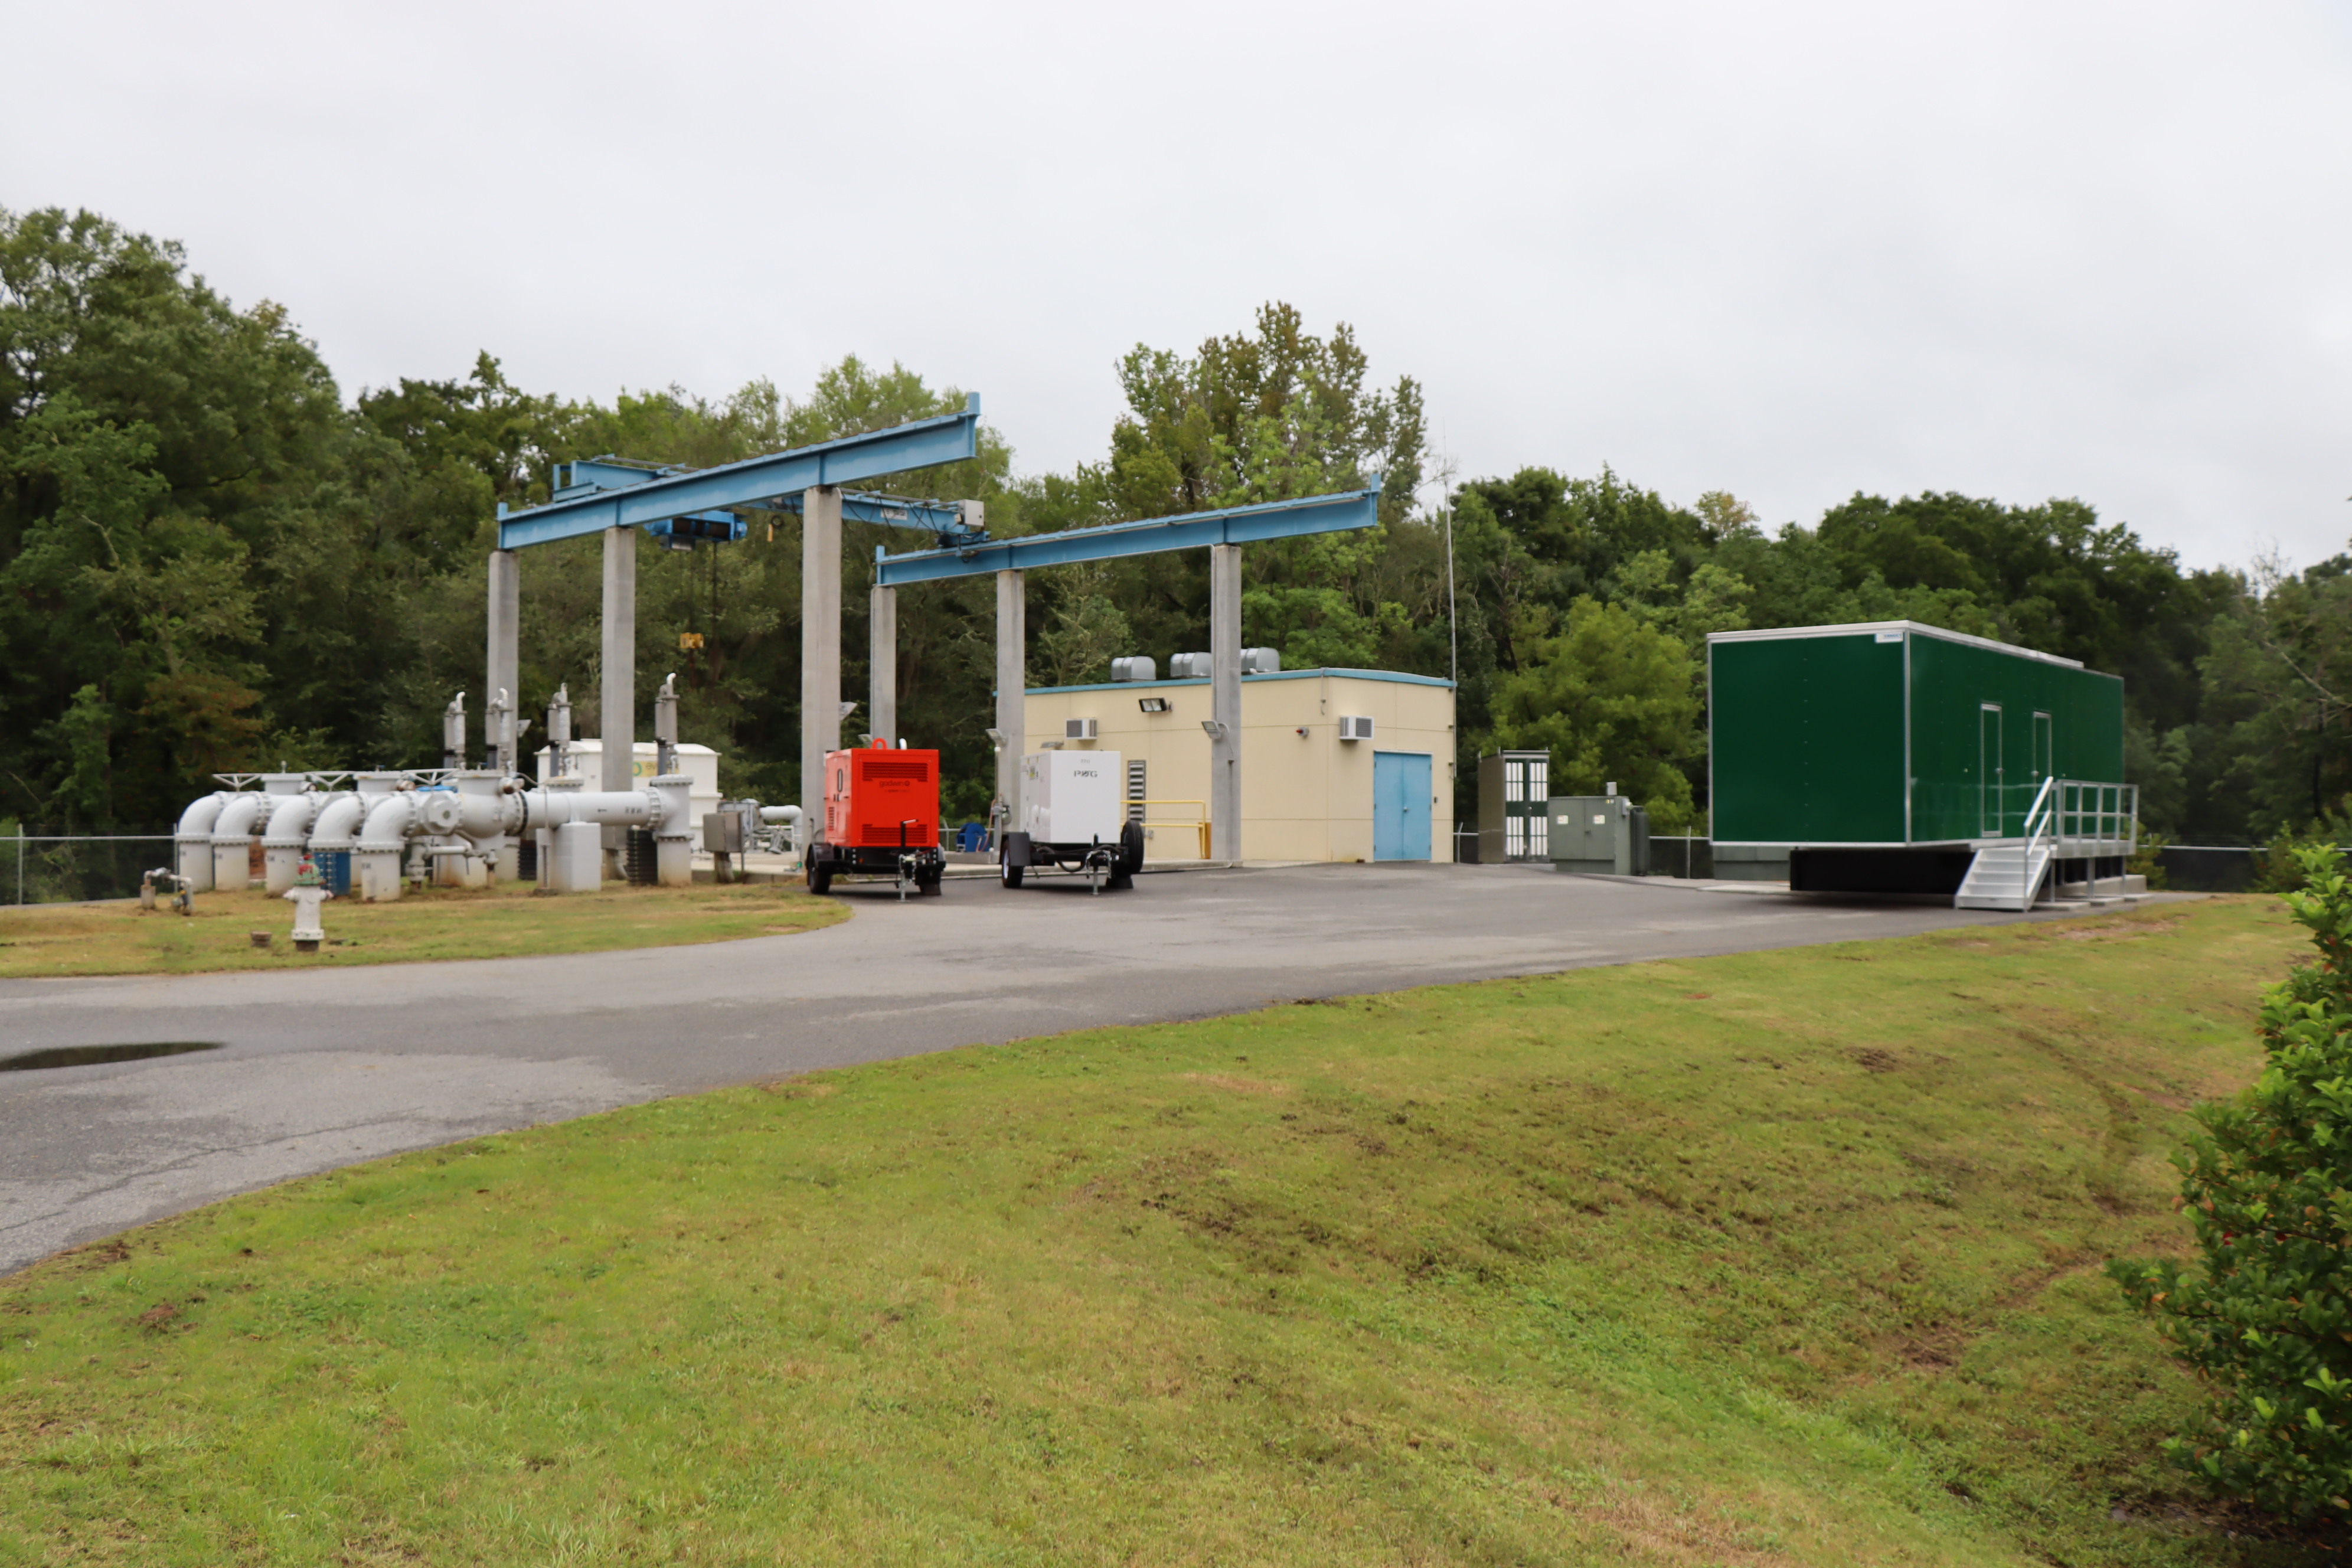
(619, 707)
(882, 661)
(1012, 693)
(1225, 702)
(820, 646)
(505, 652)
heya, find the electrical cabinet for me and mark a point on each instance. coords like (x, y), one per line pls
(1606, 834)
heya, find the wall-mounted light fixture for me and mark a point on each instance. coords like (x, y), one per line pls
(1213, 729)
(997, 740)
(1152, 704)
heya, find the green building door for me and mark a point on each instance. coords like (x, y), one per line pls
(2042, 752)
(1988, 771)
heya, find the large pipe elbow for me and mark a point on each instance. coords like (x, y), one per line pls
(338, 825)
(384, 837)
(193, 842)
(202, 814)
(237, 818)
(282, 840)
(787, 816)
(290, 821)
(233, 837)
(388, 824)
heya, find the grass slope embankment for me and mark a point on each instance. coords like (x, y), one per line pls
(1782, 1258)
(506, 920)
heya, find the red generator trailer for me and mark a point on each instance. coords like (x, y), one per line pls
(881, 819)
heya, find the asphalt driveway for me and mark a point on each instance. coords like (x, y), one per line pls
(321, 1069)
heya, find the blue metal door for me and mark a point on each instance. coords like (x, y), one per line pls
(1400, 804)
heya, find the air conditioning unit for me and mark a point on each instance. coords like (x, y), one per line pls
(1139, 667)
(1188, 667)
(1355, 727)
(1077, 729)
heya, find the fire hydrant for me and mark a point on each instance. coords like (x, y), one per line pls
(306, 895)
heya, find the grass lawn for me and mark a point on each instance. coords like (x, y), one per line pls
(1786, 1258)
(505, 921)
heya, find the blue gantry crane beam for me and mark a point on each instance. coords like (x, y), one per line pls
(949, 523)
(615, 498)
(605, 495)
(1222, 533)
(1148, 536)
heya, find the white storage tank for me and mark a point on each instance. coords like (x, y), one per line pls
(1072, 798)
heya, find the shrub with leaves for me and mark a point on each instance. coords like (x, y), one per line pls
(2280, 867)
(2263, 1318)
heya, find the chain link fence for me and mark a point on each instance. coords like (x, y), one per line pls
(65, 868)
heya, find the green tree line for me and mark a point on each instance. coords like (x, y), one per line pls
(211, 560)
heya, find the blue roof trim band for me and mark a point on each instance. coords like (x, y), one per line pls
(1400, 678)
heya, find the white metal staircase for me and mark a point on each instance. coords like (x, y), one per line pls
(2008, 875)
(2070, 819)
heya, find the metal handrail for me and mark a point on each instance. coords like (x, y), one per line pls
(2074, 819)
(1201, 823)
(2040, 824)
(2101, 814)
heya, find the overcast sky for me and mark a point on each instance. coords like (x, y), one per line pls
(1791, 251)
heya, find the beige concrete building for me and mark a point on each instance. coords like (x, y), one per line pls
(1336, 764)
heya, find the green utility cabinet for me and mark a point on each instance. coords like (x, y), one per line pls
(1891, 735)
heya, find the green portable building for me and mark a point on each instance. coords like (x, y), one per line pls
(1888, 754)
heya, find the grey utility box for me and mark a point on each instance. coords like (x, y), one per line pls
(1601, 833)
(722, 832)
(1512, 788)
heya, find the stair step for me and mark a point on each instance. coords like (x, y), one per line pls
(2004, 877)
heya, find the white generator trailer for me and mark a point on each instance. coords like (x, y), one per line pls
(1074, 818)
